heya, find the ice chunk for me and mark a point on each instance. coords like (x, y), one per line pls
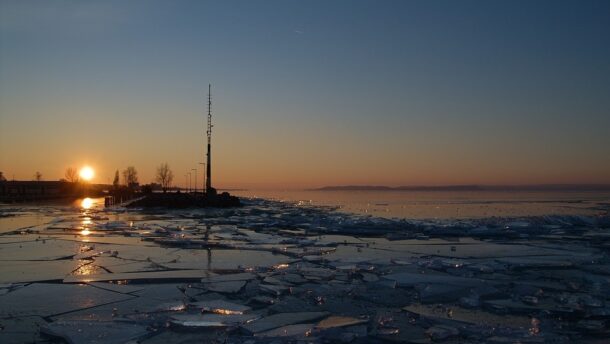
(229, 287)
(300, 331)
(246, 276)
(441, 332)
(180, 275)
(58, 298)
(35, 271)
(282, 319)
(407, 279)
(276, 290)
(98, 332)
(369, 277)
(21, 330)
(220, 307)
(317, 273)
(291, 278)
(211, 320)
(471, 316)
(590, 325)
(339, 321)
(262, 299)
(291, 304)
(436, 293)
(119, 288)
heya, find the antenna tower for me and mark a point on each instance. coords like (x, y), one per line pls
(208, 182)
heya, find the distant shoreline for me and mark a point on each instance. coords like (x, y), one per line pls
(540, 187)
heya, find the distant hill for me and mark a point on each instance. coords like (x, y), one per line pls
(355, 188)
(535, 187)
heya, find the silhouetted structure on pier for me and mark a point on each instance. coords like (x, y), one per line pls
(208, 183)
(193, 199)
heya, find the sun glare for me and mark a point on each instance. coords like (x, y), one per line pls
(86, 203)
(86, 173)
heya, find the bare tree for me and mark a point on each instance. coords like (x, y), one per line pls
(71, 175)
(37, 176)
(165, 176)
(130, 176)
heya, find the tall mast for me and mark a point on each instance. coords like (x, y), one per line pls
(208, 182)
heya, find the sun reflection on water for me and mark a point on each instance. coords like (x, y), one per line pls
(86, 268)
(87, 203)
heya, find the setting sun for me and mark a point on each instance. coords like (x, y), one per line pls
(86, 173)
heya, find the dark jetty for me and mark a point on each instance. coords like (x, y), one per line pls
(209, 198)
(186, 200)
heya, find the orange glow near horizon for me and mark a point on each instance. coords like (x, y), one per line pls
(274, 161)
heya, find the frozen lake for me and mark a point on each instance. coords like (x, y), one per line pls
(536, 271)
(447, 205)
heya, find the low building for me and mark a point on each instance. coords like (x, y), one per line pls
(19, 191)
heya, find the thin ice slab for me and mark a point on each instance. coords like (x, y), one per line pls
(141, 276)
(339, 321)
(22, 222)
(40, 271)
(230, 287)
(119, 288)
(48, 249)
(220, 307)
(538, 262)
(436, 293)
(49, 299)
(471, 316)
(21, 330)
(299, 331)
(407, 279)
(275, 290)
(99, 332)
(282, 319)
(245, 276)
(209, 320)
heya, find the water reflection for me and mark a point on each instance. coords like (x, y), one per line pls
(87, 203)
(207, 237)
(87, 206)
(85, 268)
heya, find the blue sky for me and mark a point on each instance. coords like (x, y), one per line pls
(310, 92)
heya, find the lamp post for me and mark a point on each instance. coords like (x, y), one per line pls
(203, 182)
(190, 181)
(194, 169)
(186, 182)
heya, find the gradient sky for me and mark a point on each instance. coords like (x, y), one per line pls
(309, 93)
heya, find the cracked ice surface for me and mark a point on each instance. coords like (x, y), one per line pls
(295, 272)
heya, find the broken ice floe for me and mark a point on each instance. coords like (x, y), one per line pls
(279, 271)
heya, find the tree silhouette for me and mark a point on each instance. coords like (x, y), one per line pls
(37, 176)
(130, 176)
(115, 182)
(71, 175)
(2, 178)
(164, 176)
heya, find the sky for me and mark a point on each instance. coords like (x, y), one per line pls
(308, 93)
